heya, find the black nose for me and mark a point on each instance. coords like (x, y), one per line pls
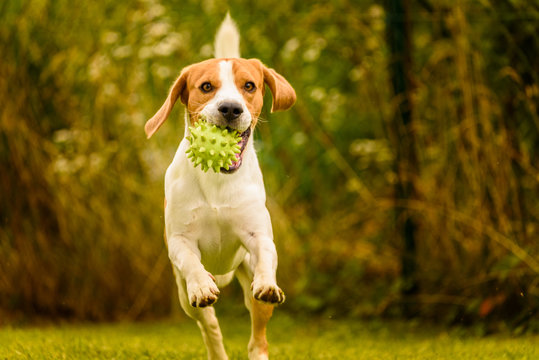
(230, 110)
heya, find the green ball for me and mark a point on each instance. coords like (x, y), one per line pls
(212, 147)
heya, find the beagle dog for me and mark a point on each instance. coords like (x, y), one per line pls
(217, 224)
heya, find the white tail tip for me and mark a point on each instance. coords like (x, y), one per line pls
(227, 40)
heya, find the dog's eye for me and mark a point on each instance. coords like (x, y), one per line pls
(206, 87)
(249, 86)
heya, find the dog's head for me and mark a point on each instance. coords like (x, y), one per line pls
(227, 93)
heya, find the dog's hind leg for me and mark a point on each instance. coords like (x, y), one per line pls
(206, 321)
(260, 315)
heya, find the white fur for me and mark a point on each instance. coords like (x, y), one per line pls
(213, 214)
(227, 40)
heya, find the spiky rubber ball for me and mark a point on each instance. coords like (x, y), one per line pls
(212, 147)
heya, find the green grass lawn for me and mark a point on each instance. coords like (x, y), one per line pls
(289, 339)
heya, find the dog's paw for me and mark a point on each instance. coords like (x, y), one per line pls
(203, 292)
(268, 293)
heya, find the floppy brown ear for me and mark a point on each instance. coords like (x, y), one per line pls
(177, 90)
(283, 93)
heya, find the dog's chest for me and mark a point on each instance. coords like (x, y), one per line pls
(217, 232)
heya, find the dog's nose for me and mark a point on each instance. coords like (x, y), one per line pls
(230, 110)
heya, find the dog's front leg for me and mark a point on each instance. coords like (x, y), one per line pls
(200, 284)
(263, 265)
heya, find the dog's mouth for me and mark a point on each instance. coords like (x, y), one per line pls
(239, 157)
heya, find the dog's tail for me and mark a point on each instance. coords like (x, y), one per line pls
(227, 40)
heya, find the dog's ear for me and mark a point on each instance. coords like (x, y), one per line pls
(283, 93)
(178, 90)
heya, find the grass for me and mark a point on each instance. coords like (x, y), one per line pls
(289, 339)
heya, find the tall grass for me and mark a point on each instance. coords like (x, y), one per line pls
(76, 204)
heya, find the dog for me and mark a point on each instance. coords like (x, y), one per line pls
(217, 224)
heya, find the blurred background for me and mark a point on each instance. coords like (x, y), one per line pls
(403, 183)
